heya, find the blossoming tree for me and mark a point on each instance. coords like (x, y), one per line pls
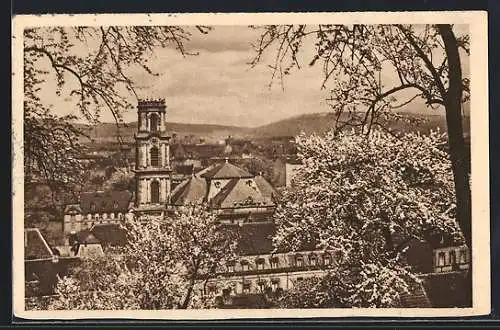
(363, 197)
(373, 71)
(158, 268)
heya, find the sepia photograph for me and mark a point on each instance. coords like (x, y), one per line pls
(250, 165)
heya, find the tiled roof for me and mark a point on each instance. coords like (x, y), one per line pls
(265, 187)
(417, 298)
(86, 237)
(192, 190)
(226, 171)
(35, 245)
(237, 193)
(255, 238)
(448, 289)
(105, 202)
(202, 172)
(110, 234)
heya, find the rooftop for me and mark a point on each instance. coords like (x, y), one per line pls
(226, 170)
(35, 245)
(105, 202)
(110, 234)
(192, 190)
(239, 193)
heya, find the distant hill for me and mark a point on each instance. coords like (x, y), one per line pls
(107, 132)
(308, 123)
(322, 122)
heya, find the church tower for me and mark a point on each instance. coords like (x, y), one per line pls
(152, 159)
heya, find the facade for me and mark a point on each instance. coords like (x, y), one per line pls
(284, 170)
(152, 163)
(87, 245)
(451, 258)
(96, 207)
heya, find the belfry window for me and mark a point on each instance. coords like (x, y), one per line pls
(153, 121)
(155, 192)
(155, 159)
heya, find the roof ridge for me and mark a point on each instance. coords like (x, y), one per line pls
(224, 192)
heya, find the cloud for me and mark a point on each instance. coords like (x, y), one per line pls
(219, 87)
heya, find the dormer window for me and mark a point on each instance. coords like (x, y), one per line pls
(312, 260)
(260, 262)
(273, 262)
(275, 284)
(245, 265)
(327, 260)
(299, 261)
(230, 266)
(441, 259)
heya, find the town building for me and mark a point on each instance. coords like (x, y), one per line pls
(107, 207)
(152, 163)
(242, 201)
(284, 169)
(233, 193)
(42, 264)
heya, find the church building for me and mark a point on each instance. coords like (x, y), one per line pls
(152, 159)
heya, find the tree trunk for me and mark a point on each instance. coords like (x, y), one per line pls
(192, 281)
(459, 159)
(185, 303)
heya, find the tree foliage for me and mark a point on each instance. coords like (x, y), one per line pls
(364, 198)
(120, 180)
(158, 268)
(353, 59)
(92, 65)
(423, 60)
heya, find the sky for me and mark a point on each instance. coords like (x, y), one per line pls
(218, 86)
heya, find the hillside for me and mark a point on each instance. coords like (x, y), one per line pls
(322, 122)
(107, 132)
(308, 123)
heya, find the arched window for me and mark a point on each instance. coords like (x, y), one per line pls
(155, 160)
(453, 257)
(312, 260)
(299, 261)
(153, 121)
(441, 259)
(155, 192)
